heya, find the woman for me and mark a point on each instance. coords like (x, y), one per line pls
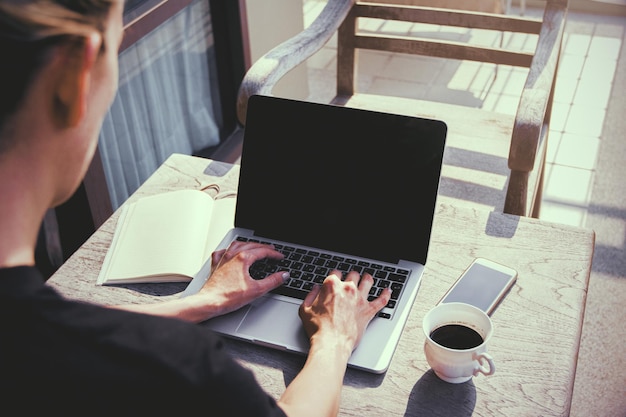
(58, 76)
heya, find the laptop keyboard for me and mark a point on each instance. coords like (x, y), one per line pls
(309, 267)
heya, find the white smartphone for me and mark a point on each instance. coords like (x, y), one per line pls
(483, 284)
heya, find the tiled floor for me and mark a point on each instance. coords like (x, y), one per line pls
(586, 160)
(588, 65)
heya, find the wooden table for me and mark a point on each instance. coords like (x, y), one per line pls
(537, 326)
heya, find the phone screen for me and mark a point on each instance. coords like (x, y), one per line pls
(481, 286)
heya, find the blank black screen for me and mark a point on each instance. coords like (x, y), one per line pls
(353, 181)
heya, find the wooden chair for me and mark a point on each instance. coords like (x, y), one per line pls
(481, 144)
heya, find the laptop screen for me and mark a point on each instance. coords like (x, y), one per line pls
(353, 181)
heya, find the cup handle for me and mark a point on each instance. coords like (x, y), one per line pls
(481, 358)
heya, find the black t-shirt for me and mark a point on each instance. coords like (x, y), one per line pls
(65, 357)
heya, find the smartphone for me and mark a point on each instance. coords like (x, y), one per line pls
(483, 284)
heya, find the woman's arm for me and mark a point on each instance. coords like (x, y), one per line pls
(229, 287)
(335, 317)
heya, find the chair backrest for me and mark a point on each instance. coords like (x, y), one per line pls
(350, 38)
(271, 67)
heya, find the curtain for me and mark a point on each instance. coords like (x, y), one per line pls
(167, 101)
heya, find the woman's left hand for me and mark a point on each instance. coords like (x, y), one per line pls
(230, 285)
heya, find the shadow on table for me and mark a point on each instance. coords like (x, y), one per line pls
(501, 226)
(161, 289)
(433, 397)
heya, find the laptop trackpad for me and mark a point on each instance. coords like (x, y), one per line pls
(275, 323)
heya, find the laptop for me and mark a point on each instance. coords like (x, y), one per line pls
(333, 187)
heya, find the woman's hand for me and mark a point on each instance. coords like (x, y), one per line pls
(339, 310)
(230, 285)
(228, 288)
(335, 317)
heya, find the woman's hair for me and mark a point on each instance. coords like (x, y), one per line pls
(28, 30)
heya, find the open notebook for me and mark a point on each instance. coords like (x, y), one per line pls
(333, 187)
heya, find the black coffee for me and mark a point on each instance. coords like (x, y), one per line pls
(456, 336)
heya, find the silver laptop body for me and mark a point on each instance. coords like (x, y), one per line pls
(356, 184)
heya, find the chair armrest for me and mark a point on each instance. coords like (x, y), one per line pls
(537, 93)
(268, 70)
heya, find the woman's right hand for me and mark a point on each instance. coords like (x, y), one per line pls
(340, 310)
(335, 316)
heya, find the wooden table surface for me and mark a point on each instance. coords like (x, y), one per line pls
(537, 326)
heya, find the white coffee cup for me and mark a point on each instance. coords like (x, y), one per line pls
(465, 356)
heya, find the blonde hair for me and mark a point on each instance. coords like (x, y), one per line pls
(28, 29)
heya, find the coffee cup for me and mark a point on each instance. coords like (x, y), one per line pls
(456, 341)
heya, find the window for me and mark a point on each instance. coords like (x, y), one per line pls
(181, 63)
